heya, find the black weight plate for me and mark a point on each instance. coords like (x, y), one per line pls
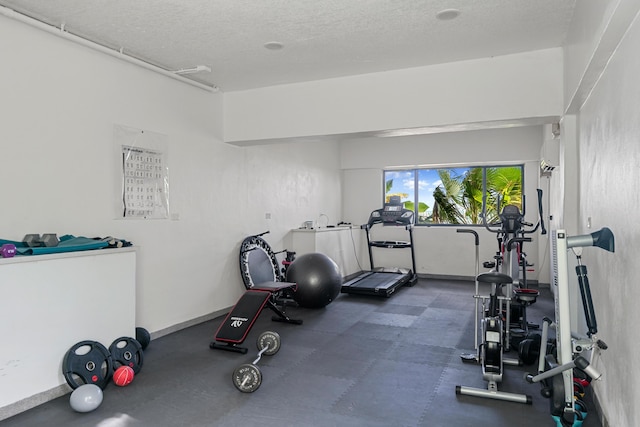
(127, 351)
(271, 340)
(143, 337)
(87, 362)
(247, 378)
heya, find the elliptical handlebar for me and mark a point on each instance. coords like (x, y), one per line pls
(483, 214)
(488, 226)
(543, 230)
(533, 230)
(510, 242)
(515, 216)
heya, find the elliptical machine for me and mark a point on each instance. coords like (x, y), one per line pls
(559, 364)
(494, 328)
(490, 351)
(511, 232)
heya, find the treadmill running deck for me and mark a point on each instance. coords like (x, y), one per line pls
(380, 283)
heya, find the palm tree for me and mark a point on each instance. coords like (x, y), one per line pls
(472, 195)
(448, 199)
(445, 210)
(459, 199)
(504, 185)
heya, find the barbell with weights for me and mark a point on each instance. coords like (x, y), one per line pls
(247, 377)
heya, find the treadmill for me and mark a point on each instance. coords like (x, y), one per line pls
(383, 281)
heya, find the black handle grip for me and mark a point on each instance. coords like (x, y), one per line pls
(543, 230)
(510, 242)
(464, 230)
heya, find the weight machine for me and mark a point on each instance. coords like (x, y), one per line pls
(556, 372)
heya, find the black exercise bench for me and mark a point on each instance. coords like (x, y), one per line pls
(236, 326)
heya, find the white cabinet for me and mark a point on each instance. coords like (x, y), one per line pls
(51, 302)
(344, 245)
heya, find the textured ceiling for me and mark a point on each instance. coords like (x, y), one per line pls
(322, 38)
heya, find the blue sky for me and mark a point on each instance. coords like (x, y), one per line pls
(428, 180)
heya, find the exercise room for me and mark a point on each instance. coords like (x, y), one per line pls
(319, 213)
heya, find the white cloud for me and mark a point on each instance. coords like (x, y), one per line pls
(408, 183)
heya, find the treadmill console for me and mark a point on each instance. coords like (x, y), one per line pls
(393, 213)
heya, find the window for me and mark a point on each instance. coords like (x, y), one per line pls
(454, 195)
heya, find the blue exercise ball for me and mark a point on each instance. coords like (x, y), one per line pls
(86, 398)
(318, 278)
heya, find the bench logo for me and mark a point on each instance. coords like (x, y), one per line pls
(237, 322)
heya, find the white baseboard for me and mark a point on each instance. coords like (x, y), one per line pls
(45, 396)
(188, 323)
(33, 401)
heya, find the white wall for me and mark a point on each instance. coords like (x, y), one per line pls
(57, 149)
(294, 182)
(440, 250)
(526, 85)
(59, 104)
(609, 194)
(596, 28)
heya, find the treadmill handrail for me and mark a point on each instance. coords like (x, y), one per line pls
(372, 243)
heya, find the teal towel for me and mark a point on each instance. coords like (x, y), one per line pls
(68, 243)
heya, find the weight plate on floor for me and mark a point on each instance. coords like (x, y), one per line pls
(127, 351)
(271, 340)
(247, 378)
(87, 362)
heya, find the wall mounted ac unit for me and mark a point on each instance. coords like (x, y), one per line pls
(550, 155)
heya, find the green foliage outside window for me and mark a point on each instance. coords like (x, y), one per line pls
(454, 195)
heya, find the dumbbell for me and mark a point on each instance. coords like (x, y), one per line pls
(113, 242)
(247, 377)
(8, 250)
(47, 239)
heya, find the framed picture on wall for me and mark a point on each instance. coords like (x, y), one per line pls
(143, 174)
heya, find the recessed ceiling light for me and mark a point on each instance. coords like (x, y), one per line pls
(273, 45)
(448, 14)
